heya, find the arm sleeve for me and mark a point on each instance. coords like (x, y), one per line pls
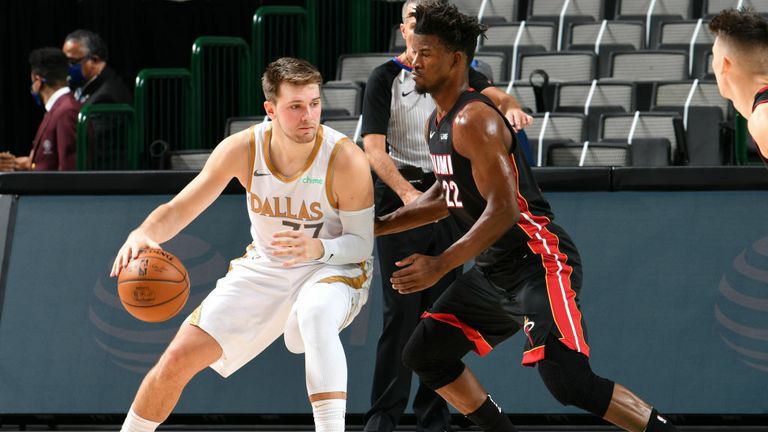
(355, 243)
(377, 102)
(477, 80)
(66, 144)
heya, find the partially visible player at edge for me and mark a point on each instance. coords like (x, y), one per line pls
(305, 274)
(740, 63)
(527, 272)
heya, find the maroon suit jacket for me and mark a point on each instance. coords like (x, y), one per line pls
(54, 146)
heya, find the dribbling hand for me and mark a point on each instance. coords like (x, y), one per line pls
(136, 241)
(420, 273)
(298, 245)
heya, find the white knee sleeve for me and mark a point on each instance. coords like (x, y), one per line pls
(292, 335)
(314, 329)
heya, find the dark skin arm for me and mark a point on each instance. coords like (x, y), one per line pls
(480, 135)
(427, 208)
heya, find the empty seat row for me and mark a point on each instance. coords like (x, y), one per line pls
(651, 152)
(500, 11)
(514, 40)
(689, 116)
(569, 130)
(641, 66)
(542, 36)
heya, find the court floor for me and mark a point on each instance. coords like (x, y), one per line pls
(521, 428)
(303, 423)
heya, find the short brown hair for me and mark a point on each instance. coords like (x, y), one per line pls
(747, 32)
(291, 70)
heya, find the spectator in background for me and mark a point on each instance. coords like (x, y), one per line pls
(54, 145)
(394, 120)
(90, 78)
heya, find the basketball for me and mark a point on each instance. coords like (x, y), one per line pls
(153, 287)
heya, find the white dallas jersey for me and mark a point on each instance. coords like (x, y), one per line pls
(303, 201)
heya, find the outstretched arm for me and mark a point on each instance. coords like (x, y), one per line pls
(383, 165)
(427, 208)
(479, 135)
(226, 161)
(509, 106)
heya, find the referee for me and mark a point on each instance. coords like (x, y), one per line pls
(394, 120)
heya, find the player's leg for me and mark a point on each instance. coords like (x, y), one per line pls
(557, 344)
(391, 379)
(459, 322)
(321, 311)
(630, 412)
(313, 328)
(391, 386)
(191, 351)
(246, 305)
(430, 409)
(434, 352)
(569, 377)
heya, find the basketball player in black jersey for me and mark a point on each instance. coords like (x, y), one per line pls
(740, 63)
(528, 271)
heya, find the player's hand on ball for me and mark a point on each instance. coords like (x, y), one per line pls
(420, 273)
(136, 241)
(298, 245)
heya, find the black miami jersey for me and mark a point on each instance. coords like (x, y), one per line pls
(465, 202)
(534, 263)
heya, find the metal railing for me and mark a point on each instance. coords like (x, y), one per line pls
(162, 104)
(105, 138)
(222, 81)
(279, 31)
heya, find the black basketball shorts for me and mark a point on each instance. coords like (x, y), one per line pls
(536, 292)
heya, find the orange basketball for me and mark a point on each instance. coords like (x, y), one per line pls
(153, 287)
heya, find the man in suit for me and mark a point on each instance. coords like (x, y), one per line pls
(91, 80)
(54, 145)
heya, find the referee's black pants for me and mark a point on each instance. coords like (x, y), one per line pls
(392, 380)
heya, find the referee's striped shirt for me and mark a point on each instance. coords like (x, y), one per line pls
(393, 108)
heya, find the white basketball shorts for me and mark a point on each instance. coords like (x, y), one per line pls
(250, 306)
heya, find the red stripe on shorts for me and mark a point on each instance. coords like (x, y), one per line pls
(482, 347)
(533, 356)
(562, 297)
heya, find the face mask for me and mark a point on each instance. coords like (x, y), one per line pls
(36, 94)
(37, 98)
(76, 76)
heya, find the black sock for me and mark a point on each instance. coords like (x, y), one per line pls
(658, 423)
(490, 418)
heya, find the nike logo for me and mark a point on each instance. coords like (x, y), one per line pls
(406, 94)
(431, 134)
(259, 174)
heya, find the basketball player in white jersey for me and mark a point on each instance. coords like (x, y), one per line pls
(306, 273)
